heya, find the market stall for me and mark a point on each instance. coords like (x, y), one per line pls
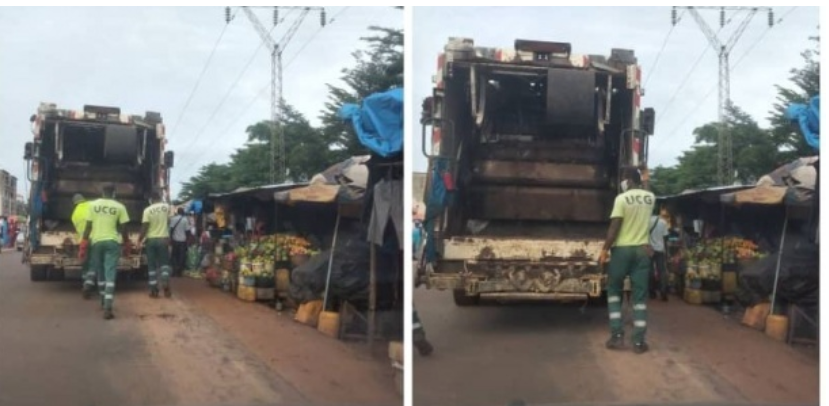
(786, 284)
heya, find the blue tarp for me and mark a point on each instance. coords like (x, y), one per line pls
(379, 122)
(808, 117)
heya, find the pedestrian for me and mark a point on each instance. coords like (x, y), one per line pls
(4, 232)
(79, 216)
(105, 220)
(206, 246)
(155, 236)
(627, 244)
(659, 231)
(424, 347)
(179, 227)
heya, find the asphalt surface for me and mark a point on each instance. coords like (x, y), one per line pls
(201, 347)
(547, 354)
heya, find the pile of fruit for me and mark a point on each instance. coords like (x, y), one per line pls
(275, 248)
(726, 250)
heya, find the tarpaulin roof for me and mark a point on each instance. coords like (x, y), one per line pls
(264, 192)
(791, 184)
(344, 182)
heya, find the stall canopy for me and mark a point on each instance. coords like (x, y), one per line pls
(344, 182)
(791, 184)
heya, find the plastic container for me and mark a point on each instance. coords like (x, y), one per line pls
(309, 312)
(329, 324)
(777, 327)
(246, 293)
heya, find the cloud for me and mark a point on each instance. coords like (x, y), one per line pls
(149, 58)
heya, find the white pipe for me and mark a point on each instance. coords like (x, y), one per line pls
(779, 258)
(331, 262)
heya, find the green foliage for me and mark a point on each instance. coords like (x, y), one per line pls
(309, 150)
(379, 68)
(757, 151)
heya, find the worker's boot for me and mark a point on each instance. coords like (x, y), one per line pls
(616, 342)
(168, 292)
(424, 347)
(640, 348)
(108, 314)
(154, 292)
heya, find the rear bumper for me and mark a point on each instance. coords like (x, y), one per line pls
(57, 261)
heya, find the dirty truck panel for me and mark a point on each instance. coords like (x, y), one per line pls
(79, 151)
(527, 148)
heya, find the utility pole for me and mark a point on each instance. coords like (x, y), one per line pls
(277, 101)
(725, 154)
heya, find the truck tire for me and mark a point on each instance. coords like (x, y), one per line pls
(462, 300)
(37, 273)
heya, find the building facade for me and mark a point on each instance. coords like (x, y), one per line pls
(8, 194)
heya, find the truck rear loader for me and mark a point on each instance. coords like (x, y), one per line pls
(527, 149)
(80, 151)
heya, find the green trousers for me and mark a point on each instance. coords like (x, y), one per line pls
(104, 261)
(158, 263)
(635, 263)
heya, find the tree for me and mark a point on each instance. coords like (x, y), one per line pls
(806, 84)
(378, 69)
(307, 153)
(755, 154)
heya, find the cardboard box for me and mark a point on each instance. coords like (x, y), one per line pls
(396, 351)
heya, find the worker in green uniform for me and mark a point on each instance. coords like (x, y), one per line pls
(106, 218)
(627, 244)
(79, 221)
(155, 236)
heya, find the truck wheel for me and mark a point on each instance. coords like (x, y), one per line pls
(462, 300)
(37, 273)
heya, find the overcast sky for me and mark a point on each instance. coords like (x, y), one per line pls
(149, 58)
(769, 55)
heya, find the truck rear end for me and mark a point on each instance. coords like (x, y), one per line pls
(78, 151)
(527, 148)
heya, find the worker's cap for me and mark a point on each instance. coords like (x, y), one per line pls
(77, 198)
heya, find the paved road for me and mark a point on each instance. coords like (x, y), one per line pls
(201, 347)
(546, 354)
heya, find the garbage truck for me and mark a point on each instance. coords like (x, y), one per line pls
(78, 152)
(526, 147)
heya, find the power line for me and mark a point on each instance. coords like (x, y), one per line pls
(224, 98)
(287, 64)
(198, 81)
(690, 72)
(659, 54)
(742, 57)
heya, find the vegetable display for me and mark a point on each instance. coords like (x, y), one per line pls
(259, 256)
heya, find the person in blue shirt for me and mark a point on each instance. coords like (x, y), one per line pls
(4, 232)
(419, 335)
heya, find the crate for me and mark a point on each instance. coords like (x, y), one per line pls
(699, 296)
(264, 294)
(729, 282)
(246, 293)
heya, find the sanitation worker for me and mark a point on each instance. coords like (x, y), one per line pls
(627, 244)
(79, 221)
(105, 220)
(155, 237)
